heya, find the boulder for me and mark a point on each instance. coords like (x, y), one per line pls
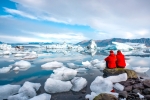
(146, 91)
(109, 72)
(123, 94)
(105, 96)
(147, 83)
(128, 88)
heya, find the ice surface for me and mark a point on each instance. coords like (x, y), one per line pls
(16, 68)
(63, 74)
(91, 96)
(141, 96)
(87, 64)
(22, 64)
(95, 61)
(19, 55)
(31, 55)
(8, 90)
(55, 86)
(29, 89)
(140, 69)
(100, 65)
(20, 96)
(43, 96)
(81, 69)
(78, 83)
(5, 69)
(117, 78)
(6, 52)
(118, 86)
(72, 65)
(52, 65)
(100, 85)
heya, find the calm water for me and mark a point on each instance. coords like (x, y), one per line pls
(36, 74)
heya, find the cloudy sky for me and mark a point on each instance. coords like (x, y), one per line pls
(73, 20)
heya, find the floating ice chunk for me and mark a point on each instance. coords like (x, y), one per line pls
(22, 64)
(8, 90)
(87, 64)
(55, 86)
(100, 85)
(141, 96)
(119, 87)
(81, 69)
(72, 65)
(43, 96)
(20, 96)
(95, 61)
(63, 74)
(6, 52)
(117, 78)
(78, 83)
(11, 60)
(101, 65)
(19, 55)
(91, 96)
(5, 69)
(31, 55)
(140, 69)
(52, 65)
(16, 68)
(29, 89)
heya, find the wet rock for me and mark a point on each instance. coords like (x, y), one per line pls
(117, 71)
(146, 91)
(105, 96)
(128, 88)
(136, 91)
(138, 86)
(147, 97)
(84, 91)
(146, 83)
(123, 94)
(133, 96)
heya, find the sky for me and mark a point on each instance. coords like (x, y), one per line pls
(73, 20)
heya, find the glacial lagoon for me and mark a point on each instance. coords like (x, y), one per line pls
(39, 75)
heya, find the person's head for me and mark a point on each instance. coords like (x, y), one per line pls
(118, 51)
(111, 51)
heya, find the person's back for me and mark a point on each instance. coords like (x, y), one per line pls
(111, 60)
(120, 60)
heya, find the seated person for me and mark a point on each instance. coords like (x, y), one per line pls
(111, 60)
(120, 60)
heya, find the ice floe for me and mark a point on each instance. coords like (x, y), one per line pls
(5, 69)
(43, 96)
(117, 78)
(100, 65)
(63, 74)
(52, 65)
(22, 64)
(31, 55)
(8, 90)
(100, 85)
(118, 86)
(78, 83)
(86, 64)
(72, 65)
(140, 69)
(55, 86)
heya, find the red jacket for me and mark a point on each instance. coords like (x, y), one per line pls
(111, 60)
(120, 60)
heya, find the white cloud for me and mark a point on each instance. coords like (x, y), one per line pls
(142, 32)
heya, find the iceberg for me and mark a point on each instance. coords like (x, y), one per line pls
(56, 86)
(117, 78)
(100, 85)
(100, 65)
(92, 45)
(140, 69)
(95, 61)
(87, 64)
(43, 96)
(31, 55)
(5, 69)
(8, 90)
(19, 55)
(52, 65)
(78, 83)
(22, 64)
(72, 65)
(6, 52)
(63, 74)
(91, 96)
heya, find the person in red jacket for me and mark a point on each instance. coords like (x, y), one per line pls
(111, 60)
(120, 60)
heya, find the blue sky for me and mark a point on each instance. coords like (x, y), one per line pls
(73, 20)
